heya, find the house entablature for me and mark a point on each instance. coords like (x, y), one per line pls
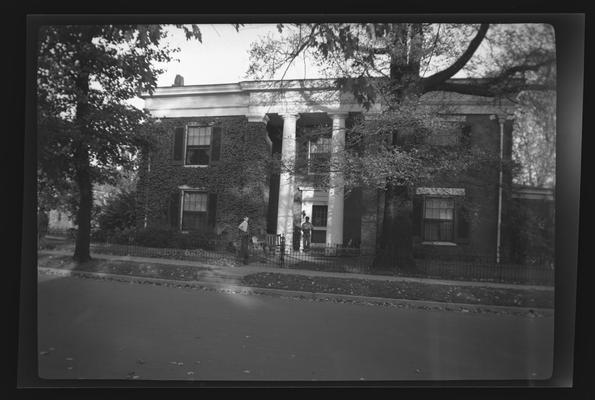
(257, 99)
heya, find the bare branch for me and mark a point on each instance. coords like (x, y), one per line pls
(299, 50)
(440, 77)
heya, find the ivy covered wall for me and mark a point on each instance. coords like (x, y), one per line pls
(237, 183)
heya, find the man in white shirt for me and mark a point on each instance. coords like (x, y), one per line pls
(244, 237)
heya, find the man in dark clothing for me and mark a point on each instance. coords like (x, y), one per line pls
(306, 233)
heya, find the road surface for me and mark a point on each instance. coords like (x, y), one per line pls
(99, 329)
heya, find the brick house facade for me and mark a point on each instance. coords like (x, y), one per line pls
(215, 143)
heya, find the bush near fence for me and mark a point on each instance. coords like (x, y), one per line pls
(161, 238)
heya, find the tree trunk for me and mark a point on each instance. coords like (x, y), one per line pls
(82, 165)
(396, 244)
(83, 236)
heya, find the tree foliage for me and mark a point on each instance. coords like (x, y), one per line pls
(86, 127)
(534, 145)
(396, 65)
(119, 212)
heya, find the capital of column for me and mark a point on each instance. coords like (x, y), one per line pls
(502, 117)
(338, 115)
(290, 116)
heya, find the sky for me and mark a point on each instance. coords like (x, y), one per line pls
(222, 57)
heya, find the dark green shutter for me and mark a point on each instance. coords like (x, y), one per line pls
(212, 209)
(216, 144)
(466, 136)
(418, 202)
(174, 210)
(462, 220)
(178, 145)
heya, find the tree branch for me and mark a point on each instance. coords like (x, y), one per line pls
(430, 82)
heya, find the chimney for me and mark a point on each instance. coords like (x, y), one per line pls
(178, 81)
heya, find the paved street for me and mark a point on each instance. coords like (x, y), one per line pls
(99, 329)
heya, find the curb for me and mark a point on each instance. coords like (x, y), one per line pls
(315, 296)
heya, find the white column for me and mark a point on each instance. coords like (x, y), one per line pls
(287, 179)
(334, 222)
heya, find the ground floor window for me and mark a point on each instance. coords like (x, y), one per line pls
(319, 215)
(438, 219)
(194, 211)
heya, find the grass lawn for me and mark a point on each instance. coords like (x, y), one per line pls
(461, 294)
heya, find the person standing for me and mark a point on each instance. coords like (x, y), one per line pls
(244, 238)
(307, 233)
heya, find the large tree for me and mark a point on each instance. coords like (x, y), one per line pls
(395, 64)
(86, 127)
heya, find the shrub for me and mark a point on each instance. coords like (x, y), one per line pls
(119, 213)
(166, 238)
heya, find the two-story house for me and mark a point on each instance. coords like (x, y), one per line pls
(210, 166)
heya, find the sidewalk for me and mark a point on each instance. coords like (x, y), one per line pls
(235, 274)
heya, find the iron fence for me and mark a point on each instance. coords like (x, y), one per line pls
(273, 251)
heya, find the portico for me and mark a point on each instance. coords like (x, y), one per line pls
(285, 103)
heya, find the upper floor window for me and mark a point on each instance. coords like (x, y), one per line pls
(198, 145)
(443, 139)
(319, 154)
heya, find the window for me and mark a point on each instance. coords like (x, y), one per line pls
(194, 211)
(438, 219)
(319, 215)
(443, 139)
(319, 154)
(198, 143)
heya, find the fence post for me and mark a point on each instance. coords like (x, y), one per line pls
(282, 250)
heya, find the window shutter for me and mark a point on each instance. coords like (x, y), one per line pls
(212, 209)
(174, 210)
(178, 145)
(418, 203)
(462, 220)
(466, 136)
(216, 143)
